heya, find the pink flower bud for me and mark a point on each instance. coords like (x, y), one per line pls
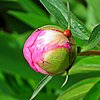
(47, 50)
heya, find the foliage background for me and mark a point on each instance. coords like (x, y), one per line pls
(18, 19)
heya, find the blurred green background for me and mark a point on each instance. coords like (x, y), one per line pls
(18, 19)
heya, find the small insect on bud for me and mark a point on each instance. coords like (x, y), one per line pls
(67, 33)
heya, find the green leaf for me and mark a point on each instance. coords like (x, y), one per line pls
(94, 39)
(5, 88)
(44, 96)
(91, 20)
(95, 5)
(31, 7)
(93, 93)
(78, 9)
(6, 97)
(86, 65)
(58, 9)
(31, 19)
(78, 91)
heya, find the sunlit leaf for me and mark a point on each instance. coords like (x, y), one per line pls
(78, 91)
(91, 20)
(93, 40)
(86, 64)
(95, 6)
(93, 93)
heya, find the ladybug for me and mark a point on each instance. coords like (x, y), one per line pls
(67, 33)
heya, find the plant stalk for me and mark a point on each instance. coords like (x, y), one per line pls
(90, 53)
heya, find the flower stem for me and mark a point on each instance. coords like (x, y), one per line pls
(68, 9)
(90, 53)
(41, 84)
(66, 79)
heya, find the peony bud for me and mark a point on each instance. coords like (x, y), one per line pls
(49, 51)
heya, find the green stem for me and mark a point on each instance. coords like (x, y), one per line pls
(90, 53)
(66, 79)
(68, 9)
(41, 84)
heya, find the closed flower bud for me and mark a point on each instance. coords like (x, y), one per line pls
(49, 51)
